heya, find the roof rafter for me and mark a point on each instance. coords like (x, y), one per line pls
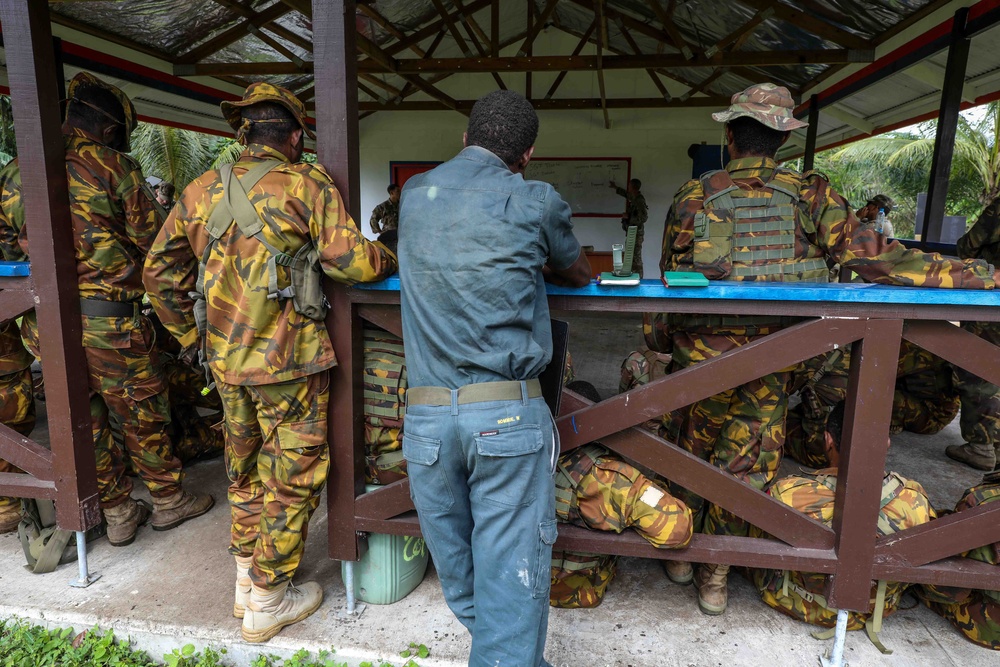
(579, 47)
(563, 104)
(602, 42)
(666, 18)
(387, 25)
(233, 34)
(739, 35)
(807, 21)
(650, 71)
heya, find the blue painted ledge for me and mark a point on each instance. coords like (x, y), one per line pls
(741, 291)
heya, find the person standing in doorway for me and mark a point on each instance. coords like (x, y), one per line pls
(475, 241)
(385, 216)
(636, 214)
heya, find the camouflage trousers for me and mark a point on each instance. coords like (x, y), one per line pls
(980, 419)
(925, 400)
(637, 253)
(740, 430)
(194, 434)
(278, 460)
(977, 617)
(17, 411)
(128, 396)
(822, 384)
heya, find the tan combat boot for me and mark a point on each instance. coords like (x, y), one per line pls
(10, 516)
(678, 571)
(243, 584)
(124, 520)
(980, 457)
(268, 611)
(710, 580)
(174, 510)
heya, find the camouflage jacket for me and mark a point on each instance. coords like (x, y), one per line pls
(13, 357)
(636, 211)
(253, 340)
(385, 217)
(838, 235)
(983, 240)
(114, 220)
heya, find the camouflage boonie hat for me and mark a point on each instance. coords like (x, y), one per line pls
(84, 80)
(882, 201)
(766, 103)
(265, 92)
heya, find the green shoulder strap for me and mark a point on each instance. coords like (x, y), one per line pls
(236, 206)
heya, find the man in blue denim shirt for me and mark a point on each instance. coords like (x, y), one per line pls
(474, 241)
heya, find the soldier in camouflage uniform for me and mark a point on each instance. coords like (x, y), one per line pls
(114, 222)
(270, 361)
(755, 221)
(17, 408)
(642, 367)
(980, 420)
(636, 214)
(974, 613)
(925, 399)
(385, 216)
(596, 489)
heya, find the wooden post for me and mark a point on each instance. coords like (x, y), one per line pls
(335, 66)
(810, 154)
(31, 68)
(947, 126)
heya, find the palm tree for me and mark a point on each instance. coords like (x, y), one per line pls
(175, 155)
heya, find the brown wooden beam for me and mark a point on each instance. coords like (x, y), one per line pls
(539, 24)
(670, 27)
(387, 25)
(449, 20)
(602, 31)
(88, 29)
(233, 35)
(248, 13)
(388, 87)
(560, 104)
(495, 28)
(472, 29)
(579, 47)
(242, 69)
(432, 28)
(811, 23)
(704, 85)
(643, 61)
(650, 71)
(741, 34)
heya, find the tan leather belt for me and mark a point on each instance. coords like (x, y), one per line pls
(472, 393)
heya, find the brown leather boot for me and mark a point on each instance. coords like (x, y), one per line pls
(678, 571)
(243, 585)
(270, 610)
(10, 516)
(174, 510)
(710, 580)
(980, 457)
(124, 520)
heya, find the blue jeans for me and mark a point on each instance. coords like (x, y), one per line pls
(481, 477)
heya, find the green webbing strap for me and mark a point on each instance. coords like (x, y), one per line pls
(389, 460)
(754, 241)
(779, 186)
(565, 495)
(873, 625)
(781, 199)
(766, 211)
(824, 634)
(778, 269)
(763, 255)
(53, 550)
(567, 565)
(376, 345)
(222, 215)
(766, 226)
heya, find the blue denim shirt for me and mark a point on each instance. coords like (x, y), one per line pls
(473, 238)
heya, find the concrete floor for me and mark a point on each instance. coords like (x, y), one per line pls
(169, 589)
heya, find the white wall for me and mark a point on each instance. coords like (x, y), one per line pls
(656, 139)
(657, 142)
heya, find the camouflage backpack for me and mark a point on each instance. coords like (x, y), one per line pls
(904, 505)
(579, 580)
(384, 405)
(975, 613)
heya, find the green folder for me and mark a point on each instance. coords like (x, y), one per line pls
(684, 279)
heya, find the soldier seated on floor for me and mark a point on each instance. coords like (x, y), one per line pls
(925, 400)
(974, 613)
(597, 489)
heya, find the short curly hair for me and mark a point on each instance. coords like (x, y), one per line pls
(504, 123)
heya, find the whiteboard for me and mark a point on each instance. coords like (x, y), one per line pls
(583, 182)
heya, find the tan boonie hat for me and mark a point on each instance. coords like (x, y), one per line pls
(265, 92)
(766, 103)
(84, 80)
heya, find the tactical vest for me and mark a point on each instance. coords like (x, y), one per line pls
(904, 504)
(750, 235)
(384, 403)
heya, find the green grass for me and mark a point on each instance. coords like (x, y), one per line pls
(26, 645)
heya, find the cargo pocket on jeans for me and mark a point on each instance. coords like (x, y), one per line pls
(429, 488)
(503, 481)
(547, 534)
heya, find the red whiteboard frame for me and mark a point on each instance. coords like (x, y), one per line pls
(627, 160)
